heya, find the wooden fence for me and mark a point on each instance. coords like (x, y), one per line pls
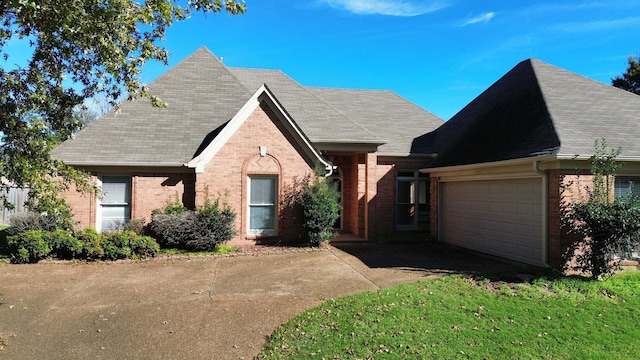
(15, 196)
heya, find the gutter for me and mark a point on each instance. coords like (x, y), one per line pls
(141, 163)
(545, 212)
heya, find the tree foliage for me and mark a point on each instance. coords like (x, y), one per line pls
(630, 79)
(609, 228)
(79, 50)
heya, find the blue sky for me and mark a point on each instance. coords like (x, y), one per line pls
(439, 54)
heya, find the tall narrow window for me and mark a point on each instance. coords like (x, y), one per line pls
(412, 201)
(115, 202)
(262, 205)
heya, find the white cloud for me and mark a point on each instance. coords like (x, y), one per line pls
(480, 18)
(388, 7)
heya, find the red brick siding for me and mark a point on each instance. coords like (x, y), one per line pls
(565, 187)
(83, 206)
(385, 204)
(228, 170)
(150, 191)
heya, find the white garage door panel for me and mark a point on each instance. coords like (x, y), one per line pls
(499, 217)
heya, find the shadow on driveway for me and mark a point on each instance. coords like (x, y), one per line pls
(427, 258)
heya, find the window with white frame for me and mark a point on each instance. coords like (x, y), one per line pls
(115, 202)
(262, 205)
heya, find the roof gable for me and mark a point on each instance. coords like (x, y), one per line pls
(202, 95)
(320, 121)
(262, 96)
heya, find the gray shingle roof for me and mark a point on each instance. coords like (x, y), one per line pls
(318, 120)
(203, 95)
(539, 109)
(383, 112)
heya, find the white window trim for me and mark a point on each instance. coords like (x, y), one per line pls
(262, 232)
(99, 183)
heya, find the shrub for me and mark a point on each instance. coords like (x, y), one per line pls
(35, 245)
(28, 247)
(116, 245)
(63, 245)
(172, 230)
(199, 230)
(127, 244)
(91, 241)
(319, 201)
(608, 228)
(143, 247)
(28, 221)
(135, 225)
(172, 207)
(216, 226)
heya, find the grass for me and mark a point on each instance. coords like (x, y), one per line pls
(460, 317)
(220, 249)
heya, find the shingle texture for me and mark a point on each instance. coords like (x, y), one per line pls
(538, 109)
(139, 133)
(203, 95)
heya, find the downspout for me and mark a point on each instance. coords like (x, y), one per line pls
(545, 212)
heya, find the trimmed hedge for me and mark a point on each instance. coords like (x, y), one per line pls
(201, 230)
(35, 245)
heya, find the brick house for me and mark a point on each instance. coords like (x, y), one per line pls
(508, 160)
(250, 135)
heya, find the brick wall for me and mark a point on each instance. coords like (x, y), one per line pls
(150, 191)
(565, 187)
(83, 205)
(240, 157)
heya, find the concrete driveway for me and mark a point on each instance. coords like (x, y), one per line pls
(195, 308)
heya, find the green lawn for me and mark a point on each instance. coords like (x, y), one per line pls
(459, 317)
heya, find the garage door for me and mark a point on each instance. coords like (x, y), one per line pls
(498, 217)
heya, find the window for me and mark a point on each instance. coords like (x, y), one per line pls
(115, 202)
(412, 201)
(262, 205)
(624, 184)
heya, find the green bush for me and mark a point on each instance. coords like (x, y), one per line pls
(63, 244)
(199, 230)
(116, 245)
(91, 241)
(32, 246)
(28, 247)
(319, 201)
(143, 247)
(608, 229)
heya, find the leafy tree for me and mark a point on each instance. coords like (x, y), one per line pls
(630, 79)
(609, 228)
(79, 50)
